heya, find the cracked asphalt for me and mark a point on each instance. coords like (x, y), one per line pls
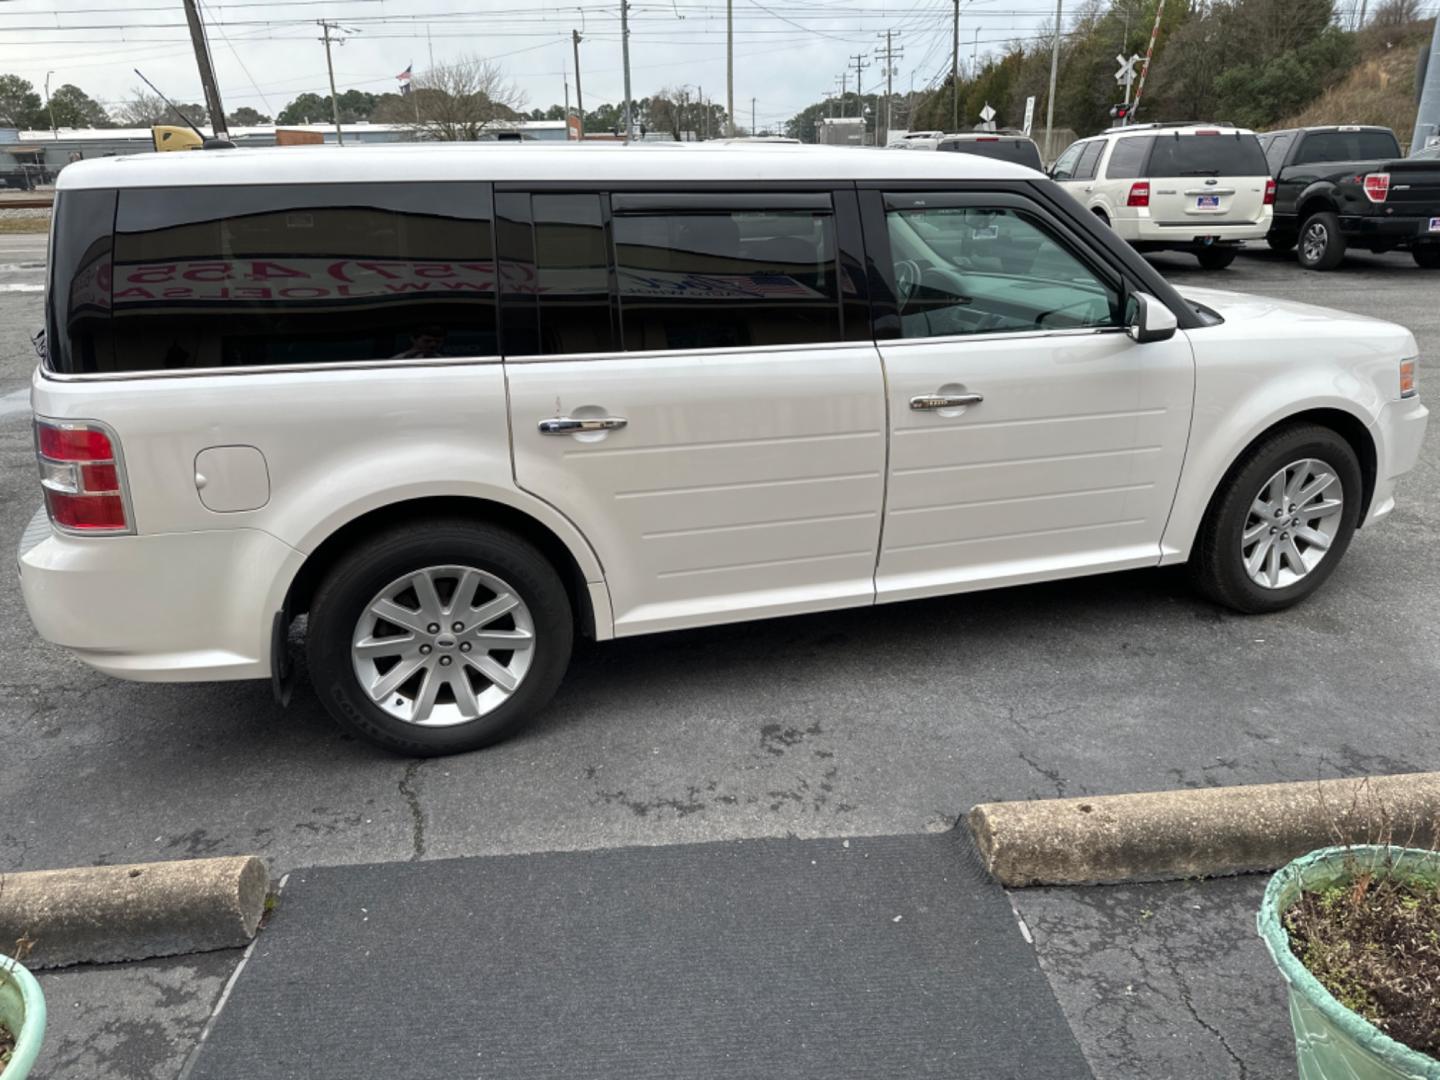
(888, 720)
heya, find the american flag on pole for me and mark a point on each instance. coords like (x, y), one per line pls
(404, 78)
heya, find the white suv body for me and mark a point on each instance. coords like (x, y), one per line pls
(1200, 188)
(484, 399)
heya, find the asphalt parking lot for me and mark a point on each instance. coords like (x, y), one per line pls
(883, 721)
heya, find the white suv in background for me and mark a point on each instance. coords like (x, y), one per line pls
(1200, 188)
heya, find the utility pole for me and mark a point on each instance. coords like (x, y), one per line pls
(565, 77)
(579, 101)
(50, 107)
(752, 118)
(891, 54)
(955, 70)
(844, 76)
(625, 57)
(1054, 70)
(207, 72)
(860, 67)
(1427, 119)
(730, 68)
(326, 27)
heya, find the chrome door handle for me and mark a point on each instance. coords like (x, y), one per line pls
(569, 425)
(945, 401)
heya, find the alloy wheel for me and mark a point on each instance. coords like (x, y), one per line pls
(1292, 523)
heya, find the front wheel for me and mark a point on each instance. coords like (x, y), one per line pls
(1214, 258)
(439, 638)
(1280, 521)
(1322, 247)
(1426, 256)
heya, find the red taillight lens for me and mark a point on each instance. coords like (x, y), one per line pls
(1139, 194)
(74, 443)
(80, 474)
(97, 513)
(1269, 192)
(1377, 186)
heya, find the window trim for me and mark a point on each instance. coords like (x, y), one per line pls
(877, 245)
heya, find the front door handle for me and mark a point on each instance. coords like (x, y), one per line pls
(570, 425)
(945, 401)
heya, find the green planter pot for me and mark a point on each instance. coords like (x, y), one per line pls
(1332, 1042)
(22, 1011)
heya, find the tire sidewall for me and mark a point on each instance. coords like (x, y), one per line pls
(359, 577)
(1334, 251)
(1246, 484)
(1215, 259)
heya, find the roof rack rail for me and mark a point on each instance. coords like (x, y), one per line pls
(1174, 124)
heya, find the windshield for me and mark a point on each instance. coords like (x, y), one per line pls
(1020, 151)
(1347, 146)
(1207, 155)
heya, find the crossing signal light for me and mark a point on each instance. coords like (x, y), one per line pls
(1120, 112)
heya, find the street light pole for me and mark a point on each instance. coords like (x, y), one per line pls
(730, 69)
(1054, 70)
(50, 107)
(334, 100)
(625, 57)
(955, 70)
(579, 99)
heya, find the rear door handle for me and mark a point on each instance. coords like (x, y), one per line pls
(569, 425)
(945, 401)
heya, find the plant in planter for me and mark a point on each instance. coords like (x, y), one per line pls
(1356, 933)
(22, 1012)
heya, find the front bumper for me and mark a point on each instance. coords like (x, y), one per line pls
(1398, 434)
(168, 607)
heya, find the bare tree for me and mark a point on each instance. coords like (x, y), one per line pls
(457, 102)
(144, 109)
(1398, 13)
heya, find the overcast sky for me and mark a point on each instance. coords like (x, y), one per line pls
(788, 52)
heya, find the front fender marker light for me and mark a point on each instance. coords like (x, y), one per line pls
(1409, 378)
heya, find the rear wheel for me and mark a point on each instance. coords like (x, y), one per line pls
(1322, 247)
(1426, 256)
(1280, 521)
(439, 638)
(1216, 258)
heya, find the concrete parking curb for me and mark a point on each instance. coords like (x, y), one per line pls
(100, 914)
(1205, 832)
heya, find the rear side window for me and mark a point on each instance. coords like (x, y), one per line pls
(1346, 146)
(1019, 151)
(1207, 155)
(77, 312)
(572, 274)
(1276, 149)
(1089, 158)
(693, 277)
(1128, 157)
(304, 274)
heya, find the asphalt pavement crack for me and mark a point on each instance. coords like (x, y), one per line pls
(410, 792)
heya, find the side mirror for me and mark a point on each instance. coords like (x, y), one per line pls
(1147, 319)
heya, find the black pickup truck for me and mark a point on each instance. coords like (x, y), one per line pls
(1348, 186)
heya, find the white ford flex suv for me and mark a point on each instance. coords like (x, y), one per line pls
(1200, 188)
(458, 405)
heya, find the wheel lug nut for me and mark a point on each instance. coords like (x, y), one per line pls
(464, 646)
(433, 628)
(424, 650)
(444, 661)
(457, 627)
(1273, 530)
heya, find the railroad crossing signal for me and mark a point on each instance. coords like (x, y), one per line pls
(1126, 74)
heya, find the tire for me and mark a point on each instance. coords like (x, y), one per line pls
(442, 551)
(1104, 217)
(1281, 242)
(1426, 256)
(1218, 561)
(1216, 258)
(1321, 246)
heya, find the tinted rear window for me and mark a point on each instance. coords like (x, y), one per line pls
(1019, 151)
(1346, 146)
(1128, 157)
(1207, 155)
(303, 274)
(77, 313)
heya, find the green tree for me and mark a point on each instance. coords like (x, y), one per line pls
(245, 116)
(73, 108)
(306, 109)
(20, 105)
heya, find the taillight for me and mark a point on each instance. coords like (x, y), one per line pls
(1377, 186)
(80, 473)
(1269, 192)
(1139, 194)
